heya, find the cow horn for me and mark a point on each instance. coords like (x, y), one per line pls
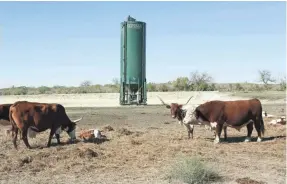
(77, 120)
(188, 100)
(161, 100)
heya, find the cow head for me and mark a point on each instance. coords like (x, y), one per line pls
(175, 109)
(71, 128)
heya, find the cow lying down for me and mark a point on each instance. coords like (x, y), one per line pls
(91, 134)
(281, 121)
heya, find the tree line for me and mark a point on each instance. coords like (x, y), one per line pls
(195, 82)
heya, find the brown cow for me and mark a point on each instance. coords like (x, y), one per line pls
(235, 114)
(4, 111)
(179, 111)
(4, 115)
(40, 117)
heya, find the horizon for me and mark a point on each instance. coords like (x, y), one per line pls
(49, 44)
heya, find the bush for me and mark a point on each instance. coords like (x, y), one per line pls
(191, 171)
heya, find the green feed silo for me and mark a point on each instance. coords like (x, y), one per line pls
(133, 62)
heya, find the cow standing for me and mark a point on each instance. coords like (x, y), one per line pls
(178, 111)
(40, 117)
(4, 114)
(235, 114)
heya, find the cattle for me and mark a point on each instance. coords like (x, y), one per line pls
(4, 111)
(91, 134)
(178, 111)
(281, 121)
(235, 114)
(4, 115)
(40, 117)
(190, 120)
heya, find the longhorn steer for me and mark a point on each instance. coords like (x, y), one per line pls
(40, 117)
(178, 111)
(235, 114)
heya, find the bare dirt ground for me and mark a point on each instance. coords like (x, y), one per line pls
(144, 143)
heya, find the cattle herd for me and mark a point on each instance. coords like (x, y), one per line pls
(215, 115)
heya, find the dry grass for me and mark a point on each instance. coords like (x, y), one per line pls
(192, 171)
(247, 180)
(140, 148)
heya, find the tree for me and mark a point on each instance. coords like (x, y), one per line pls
(200, 81)
(115, 81)
(283, 83)
(265, 77)
(86, 83)
(181, 83)
(151, 87)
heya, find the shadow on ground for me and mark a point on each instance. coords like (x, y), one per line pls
(242, 139)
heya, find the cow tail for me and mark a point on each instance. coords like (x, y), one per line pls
(11, 119)
(13, 123)
(262, 127)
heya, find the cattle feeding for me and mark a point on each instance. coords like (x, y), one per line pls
(235, 114)
(40, 117)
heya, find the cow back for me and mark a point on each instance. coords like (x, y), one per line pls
(41, 115)
(232, 112)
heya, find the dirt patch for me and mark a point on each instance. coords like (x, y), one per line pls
(247, 180)
(86, 152)
(107, 128)
(25, 160)
(124, 131)
(140, 149)
(4, 123)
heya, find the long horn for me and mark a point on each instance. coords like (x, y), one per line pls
(77, 120)
(161, 100)
(188, 100)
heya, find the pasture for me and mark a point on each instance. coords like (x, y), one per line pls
(144, 144)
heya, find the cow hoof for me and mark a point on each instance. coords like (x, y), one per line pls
(248, 139)
(216, 141)
(259, 139)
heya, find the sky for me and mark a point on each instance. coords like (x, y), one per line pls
(66, 43)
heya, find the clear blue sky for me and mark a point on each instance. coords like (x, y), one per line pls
(65, 43)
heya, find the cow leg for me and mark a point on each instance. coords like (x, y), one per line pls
(191, 130)
(258, 129)
(188, 130)
(225, 132)
(14, 135)
(218, 130)
(58, 138)
(53, 130)
(249, 132)
(24, 137)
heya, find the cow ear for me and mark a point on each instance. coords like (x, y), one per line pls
(180, 106)
(167, 106)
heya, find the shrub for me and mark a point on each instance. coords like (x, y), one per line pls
(191, 171)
